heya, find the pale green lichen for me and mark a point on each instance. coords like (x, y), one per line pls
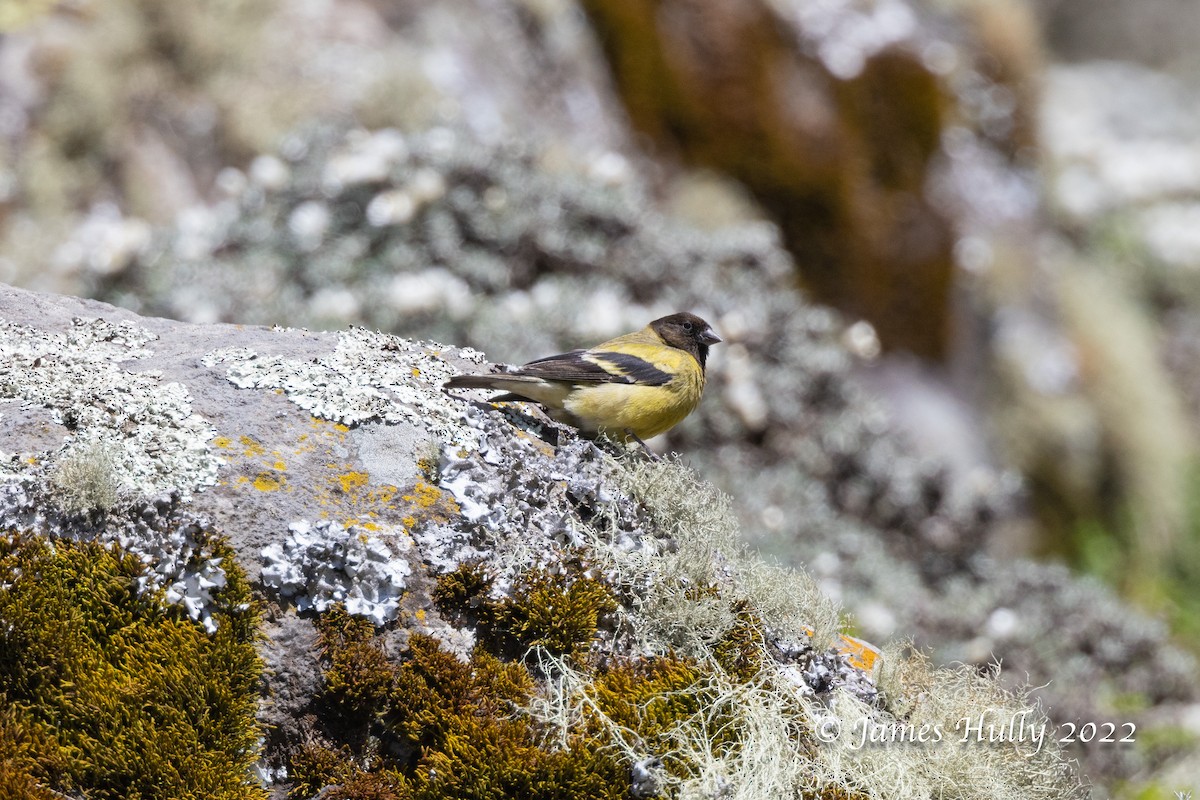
(85, 478)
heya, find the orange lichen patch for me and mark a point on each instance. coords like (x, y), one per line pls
(862, 655)
(268, 482)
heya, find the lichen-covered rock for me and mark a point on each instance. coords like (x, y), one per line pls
(321, 564)
(607, 597)
(455, 223)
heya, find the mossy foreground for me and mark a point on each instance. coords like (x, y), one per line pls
(429, 725)
(106, 691)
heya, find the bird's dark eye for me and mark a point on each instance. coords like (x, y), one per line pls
(687, 326)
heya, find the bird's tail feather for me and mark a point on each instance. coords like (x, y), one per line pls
(551, 394)
(471, 382)
(512, 384)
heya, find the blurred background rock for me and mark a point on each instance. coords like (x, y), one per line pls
(953, 246)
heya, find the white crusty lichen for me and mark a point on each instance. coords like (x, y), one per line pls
(144, 427)
(129, 442)
(325, 562)
(368, 377)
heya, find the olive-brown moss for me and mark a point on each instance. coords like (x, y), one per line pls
(429, 725)
(110, 692)
(559, 614)
(435, 726)
(741, 649)
(426, 724)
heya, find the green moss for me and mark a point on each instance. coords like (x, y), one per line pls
(652, 697)
(463, 593)
(362, 785)
(314, 765)
(21, 750)
(112, 692)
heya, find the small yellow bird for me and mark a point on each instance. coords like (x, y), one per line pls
(634, 386)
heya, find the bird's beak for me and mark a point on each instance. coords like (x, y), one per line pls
(708, 337)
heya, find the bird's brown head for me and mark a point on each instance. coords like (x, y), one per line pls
(687, 332)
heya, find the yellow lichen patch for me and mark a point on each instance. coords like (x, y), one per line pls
(323, 432)
(350, 481)
(279, 465)
(348, 497)
(424, 495)
(252, 448)
(223, 442)
(426, 501)
(267, 482)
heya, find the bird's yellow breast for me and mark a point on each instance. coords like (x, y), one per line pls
(646, 411)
